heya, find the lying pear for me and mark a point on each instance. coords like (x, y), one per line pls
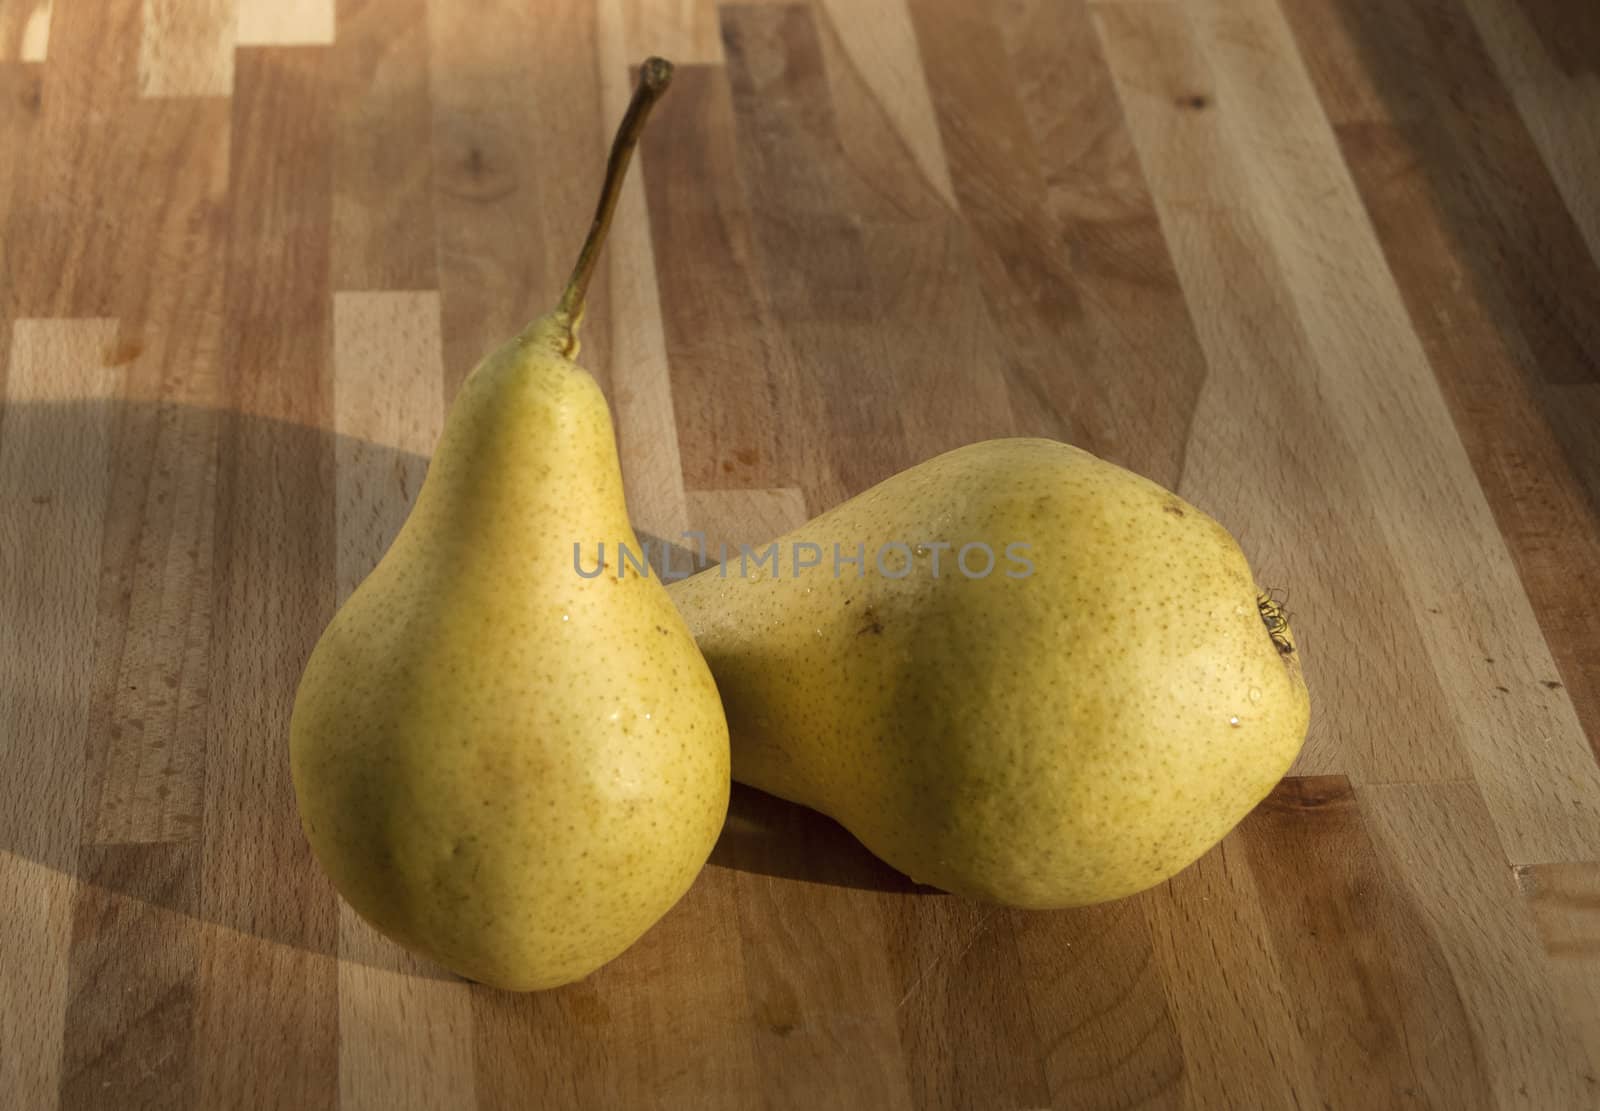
(1016, 672)
(503, 765)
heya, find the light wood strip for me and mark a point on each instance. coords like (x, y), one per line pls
(879, 42)
(685, 31)
(36, 936)
(1441, 840)
(52, 504)
(285, 22)
(25, 31)
(1565, 901)
(405, 1027)
(186, 48)
(1496, 279)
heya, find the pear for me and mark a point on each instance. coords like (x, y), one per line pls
(508, 767)
(1016, 672)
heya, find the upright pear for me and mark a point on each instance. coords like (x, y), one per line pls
(1016, 672)
(506, 766)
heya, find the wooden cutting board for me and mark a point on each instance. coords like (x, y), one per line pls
(1325, 266)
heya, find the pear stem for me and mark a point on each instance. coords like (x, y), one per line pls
(654, 77)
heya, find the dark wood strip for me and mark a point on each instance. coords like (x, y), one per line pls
(722, 342)
(1092, 329)
(953, 959)
(130, 1005)
(519, 147)
(818, 972)
(1104, 1028)
(270, 965)
(1509, 228)
(383, 234)
(607, 1038)
(21, 114)
(840, 430)
(926, 291)
(1370, 987)
(67, 218)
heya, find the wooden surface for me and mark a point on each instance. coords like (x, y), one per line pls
(1327, 267)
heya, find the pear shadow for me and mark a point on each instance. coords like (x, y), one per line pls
(232, 521)
(768, 836)
(216, 569)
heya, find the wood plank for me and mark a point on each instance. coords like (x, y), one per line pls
(1533, 43)
(1506, 416)
(186, 48)
(285, 22)
(686, 32)
(1482, 250)
(1105, 1029)
(720, 339)
(145, 762)
(835, 439)
(1092, 326)
(508, 223)
(1565, 902)
(1369, 985)
(955, 958)
(25, 31)
(729, 518)
(1225, 984)
(63, 225)
(895, 171)
(382, 177)
(876, 46)
(1441, 840)
(22, 88)
(1377, 383)
(825, 1018)
(1512, 234)
(1363, 653)
(267, 956)
(925, 272)
(130, 1003)
(52, 504)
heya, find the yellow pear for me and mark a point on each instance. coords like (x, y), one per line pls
(505, 765)
(1016, 672)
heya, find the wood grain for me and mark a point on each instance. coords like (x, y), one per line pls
(1329, 269)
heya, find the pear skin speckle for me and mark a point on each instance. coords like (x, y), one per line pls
(1061, 738)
